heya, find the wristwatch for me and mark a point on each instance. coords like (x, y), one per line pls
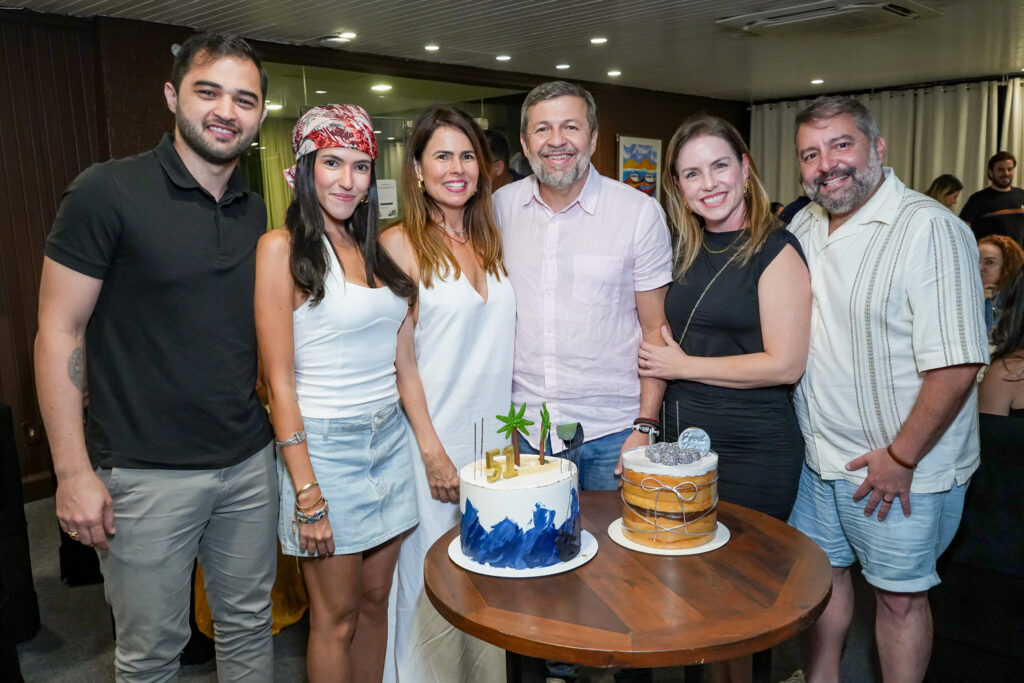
(650, 430)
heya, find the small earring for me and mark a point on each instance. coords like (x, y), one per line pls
(366, 198)
(746, 187)
(419, 184)
(686, 205)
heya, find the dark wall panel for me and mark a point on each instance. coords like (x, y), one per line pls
(647, 114)
(135, 61)
(48, 134)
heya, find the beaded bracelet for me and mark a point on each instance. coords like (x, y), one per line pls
(310, 517)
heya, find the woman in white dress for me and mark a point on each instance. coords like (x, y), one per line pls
(454, 369)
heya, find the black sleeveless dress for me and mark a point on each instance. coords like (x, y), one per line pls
(753, 431)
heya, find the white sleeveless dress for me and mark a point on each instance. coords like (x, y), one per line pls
(464, 355)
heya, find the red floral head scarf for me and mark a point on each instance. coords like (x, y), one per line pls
(332, 125)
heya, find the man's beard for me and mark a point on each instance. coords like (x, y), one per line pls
(1001, 182)
(193, 137)
(861, 187)
(563, 179)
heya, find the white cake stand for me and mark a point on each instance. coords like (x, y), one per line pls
(721, 538)
(588, 548)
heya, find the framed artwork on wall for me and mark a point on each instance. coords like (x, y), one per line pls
(640, 164)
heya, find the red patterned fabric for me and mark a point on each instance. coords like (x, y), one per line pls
(332, 125)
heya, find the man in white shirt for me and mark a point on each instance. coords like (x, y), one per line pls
(888, 404)
(590, 261)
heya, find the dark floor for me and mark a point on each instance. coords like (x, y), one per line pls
(76, 645)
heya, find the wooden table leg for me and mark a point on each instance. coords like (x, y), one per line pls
(521, 669)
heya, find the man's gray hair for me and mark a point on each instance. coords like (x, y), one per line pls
(551, 90)
(830, 106)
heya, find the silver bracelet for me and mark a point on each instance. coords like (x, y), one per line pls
(297, 437)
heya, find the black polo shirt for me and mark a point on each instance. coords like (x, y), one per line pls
(171, 345)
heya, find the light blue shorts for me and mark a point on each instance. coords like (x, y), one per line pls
(897, 555)
(364, 467)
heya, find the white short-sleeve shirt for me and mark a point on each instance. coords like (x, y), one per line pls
(576, 273)
(896, 292)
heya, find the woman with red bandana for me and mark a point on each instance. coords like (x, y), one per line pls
(329, 304)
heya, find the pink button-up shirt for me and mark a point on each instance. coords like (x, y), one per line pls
(576, 273)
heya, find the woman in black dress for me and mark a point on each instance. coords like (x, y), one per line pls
(740, 311)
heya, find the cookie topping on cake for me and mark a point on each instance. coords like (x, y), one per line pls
(694, 443)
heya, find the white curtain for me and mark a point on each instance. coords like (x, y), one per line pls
(771, 145)
(1012, 134)
(955, 133)
(928, 131)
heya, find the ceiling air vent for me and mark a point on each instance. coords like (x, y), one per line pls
(827, 17)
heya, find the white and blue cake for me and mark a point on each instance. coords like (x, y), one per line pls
(525, 521)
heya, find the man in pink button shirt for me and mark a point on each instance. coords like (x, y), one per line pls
(590, 260)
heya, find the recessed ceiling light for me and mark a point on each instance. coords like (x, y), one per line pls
(503, 58)
(376, 132)
(598, 41)
(274, 107)
(347, 35)
(255, 144)
(614, 73)
(380, 87)
(431, 47)
(561, 66)
(817, 81)
(333, 39)
(320, 92)
(391, 137)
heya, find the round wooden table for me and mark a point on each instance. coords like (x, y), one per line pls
(630, 609)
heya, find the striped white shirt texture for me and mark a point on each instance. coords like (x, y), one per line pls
(896, 292)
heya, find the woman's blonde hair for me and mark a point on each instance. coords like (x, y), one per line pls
(422, 212)
(687, 225)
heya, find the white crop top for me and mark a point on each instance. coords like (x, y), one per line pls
(345, 347)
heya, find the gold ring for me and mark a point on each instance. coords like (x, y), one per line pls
(73, 534)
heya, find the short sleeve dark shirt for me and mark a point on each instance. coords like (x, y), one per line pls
(171, 345)
(991, 212)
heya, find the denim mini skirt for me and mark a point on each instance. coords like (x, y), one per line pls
(364, 467)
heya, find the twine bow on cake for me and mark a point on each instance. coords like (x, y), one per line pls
(652, 484)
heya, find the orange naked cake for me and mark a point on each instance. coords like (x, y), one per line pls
(669, 496)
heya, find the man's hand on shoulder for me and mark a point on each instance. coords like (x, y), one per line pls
(886, 481)
(84, 506)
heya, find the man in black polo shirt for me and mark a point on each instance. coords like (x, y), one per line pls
(999, 208)
(149, 276)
